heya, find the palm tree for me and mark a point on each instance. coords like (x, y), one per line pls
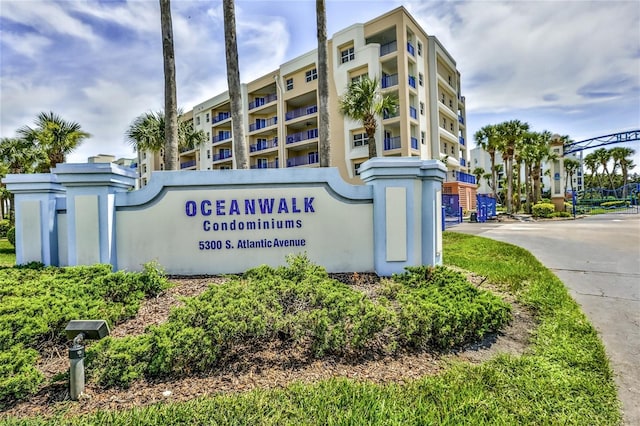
(621, 156)
(591, 163)
(170, 96)
(478, 172)
(16, 156)
(571, 166)
(363, 102)
(233, 80)
(146, 133)
(324, 144)
(604, 156)
(54, 136)
(486, 138)
(510, 136)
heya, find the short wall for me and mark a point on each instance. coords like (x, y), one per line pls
(214, 222)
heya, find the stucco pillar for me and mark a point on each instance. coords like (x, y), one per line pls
(406, 213)
(36, 198)
(91, 192)
(557, 173)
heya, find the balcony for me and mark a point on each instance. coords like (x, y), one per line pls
(413, 112)
(412, 81)
(410, 49)
(386, 115)
(303, 160)
(221, 117)
(262, 145)
(392, 143)
(222, 155)
(266, 165)
(465, 177)
(188, 164)
(222, 136)
(301, 112)
(261, 123)
(414, 143)
(258, 102)
(463, 162)
(302, 136)
(390, 47)
(460, 119)
(389, 81)
(461, 140)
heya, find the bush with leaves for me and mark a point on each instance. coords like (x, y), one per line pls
(300, 305)
(543, 210)
(37, 302)
(11, 235)
(5, 225)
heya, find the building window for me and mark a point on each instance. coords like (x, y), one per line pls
(161, 166)
(357, 78)
(208, 136)
(451, 126)
(356, 169)
(289, 84)
(419, 49)
(207, 118)
(311, 75)
(452, 151)
(144, 168)
(262, 163)
(450, 103)
(208, 153)
(421, 108)
(421, 79)
(347, 55)
(449, 80)
(444, 122)
(198, 120)
(422, 136)
(360, 139)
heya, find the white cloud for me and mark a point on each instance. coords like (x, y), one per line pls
(29, 45)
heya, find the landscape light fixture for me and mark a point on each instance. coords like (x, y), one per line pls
(79, 331)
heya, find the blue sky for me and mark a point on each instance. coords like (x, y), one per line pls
(570, 67)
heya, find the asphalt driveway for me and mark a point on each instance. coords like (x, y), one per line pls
(598, 259)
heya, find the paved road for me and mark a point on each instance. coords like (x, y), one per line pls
(598, 259)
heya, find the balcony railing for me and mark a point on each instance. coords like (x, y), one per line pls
(413, 112)
(414, 143)
(222, 155)
(392, 143)
(465, 177)
(302, 136)
(300, 112)
(389, 81)
(258, 102)
(461, 119)
(188, 164)
(412, 81)
(268, 165)
(221, 117)
(461, 140)
(386, 114)
(387, 48)
(303, 160)
(410, 49)
(222, 136)
(262, 145)
(262, 123)
(463, 162)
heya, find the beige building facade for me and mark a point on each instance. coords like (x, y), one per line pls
(281, 108)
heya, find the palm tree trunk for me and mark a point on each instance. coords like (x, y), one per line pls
(233, 80)
(170, 97)
(494, 177)
(323, 86)
(370, 126)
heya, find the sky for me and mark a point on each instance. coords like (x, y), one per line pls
(571, 67)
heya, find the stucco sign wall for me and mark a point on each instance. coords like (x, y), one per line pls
(214, 222)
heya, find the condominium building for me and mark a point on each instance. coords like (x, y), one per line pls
(281, 107)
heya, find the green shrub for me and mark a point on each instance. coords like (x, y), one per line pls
(38, 302)
(560, 214)
(11, 235)
(5, 225)
(617, 203)
(300, 305)
(543, 210)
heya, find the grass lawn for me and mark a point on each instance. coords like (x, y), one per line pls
(563, 378)
(7, 253)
